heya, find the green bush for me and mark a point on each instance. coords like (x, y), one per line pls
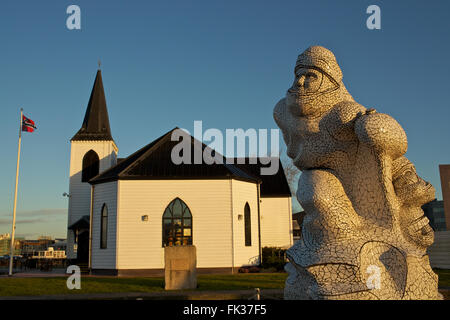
(273, 257)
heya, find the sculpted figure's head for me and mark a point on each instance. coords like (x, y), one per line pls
(413, 192)
(317, 84)
(317, 88)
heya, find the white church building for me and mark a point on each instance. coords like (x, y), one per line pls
(124, 211)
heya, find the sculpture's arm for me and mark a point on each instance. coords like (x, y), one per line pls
(349, 121)
(382, 133)
(281, 117)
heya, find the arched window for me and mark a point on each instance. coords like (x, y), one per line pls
(104, 227)
(90, 166)
(177, 224)
(247, 225)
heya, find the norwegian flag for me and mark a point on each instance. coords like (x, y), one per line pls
(28, 124)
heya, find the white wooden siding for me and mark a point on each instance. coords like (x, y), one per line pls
(80, 192)
(245, 192)
(105, 193)
(140, 242)
(276, 222)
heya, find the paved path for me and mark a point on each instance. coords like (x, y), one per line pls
(163, 295)
(266, 294)
(33, 273)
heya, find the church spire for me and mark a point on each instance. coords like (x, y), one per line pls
(96, 121)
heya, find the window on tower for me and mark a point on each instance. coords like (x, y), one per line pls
(91, 166)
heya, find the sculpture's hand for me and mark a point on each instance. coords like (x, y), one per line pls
(340, 121)
(289, 127)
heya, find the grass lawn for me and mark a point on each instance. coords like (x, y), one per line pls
(57, 285)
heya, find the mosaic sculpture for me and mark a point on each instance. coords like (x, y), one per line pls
(364, 235)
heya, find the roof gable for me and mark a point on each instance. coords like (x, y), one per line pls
(154, 162)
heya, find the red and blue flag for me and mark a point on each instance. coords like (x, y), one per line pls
(28, 124)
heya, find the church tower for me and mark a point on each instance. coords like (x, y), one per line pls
(92, 151)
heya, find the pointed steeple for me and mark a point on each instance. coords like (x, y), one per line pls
(96, 121)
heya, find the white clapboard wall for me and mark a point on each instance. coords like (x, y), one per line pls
(439, 252)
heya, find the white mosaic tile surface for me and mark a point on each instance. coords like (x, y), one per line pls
(364, 235)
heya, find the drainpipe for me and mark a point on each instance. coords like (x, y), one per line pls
(291, 226)
(91, 218)
(232, 228)
(258, 187)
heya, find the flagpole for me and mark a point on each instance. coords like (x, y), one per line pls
(11, 256)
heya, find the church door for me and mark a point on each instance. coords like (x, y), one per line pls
(83, 247)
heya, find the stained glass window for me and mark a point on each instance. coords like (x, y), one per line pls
(177, 224)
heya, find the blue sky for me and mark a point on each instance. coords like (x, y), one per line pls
(227, 63)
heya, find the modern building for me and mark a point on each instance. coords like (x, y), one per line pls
(444, 171)
(434, 211)
(123, 212)
(31, 247)
(50, 253)
(5, 242)
(5, 245)
(59, 245)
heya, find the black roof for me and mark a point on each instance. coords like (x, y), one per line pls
(154, 162)
(96, 121)
(271, 185)
(82, 223)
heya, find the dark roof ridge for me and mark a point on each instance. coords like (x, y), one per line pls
(124, 160)
(150, 150)
(192, 141)
(272, 185)
(122, 169)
